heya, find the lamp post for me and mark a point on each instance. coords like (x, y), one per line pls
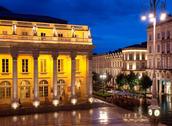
(152, 17)
(103, 78)
(154, 109)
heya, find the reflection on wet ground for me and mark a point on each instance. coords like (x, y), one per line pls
(110, 115)
(166, 109)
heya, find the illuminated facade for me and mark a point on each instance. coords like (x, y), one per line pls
(43, 61)
(163, 56)
(132, 58)
(135, 58)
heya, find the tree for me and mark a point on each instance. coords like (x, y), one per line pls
(132, 80)
(145, 83)
(96, 81)
(121, 80)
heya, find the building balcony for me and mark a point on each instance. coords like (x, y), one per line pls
(46, 39)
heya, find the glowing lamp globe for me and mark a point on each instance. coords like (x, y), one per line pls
(91, 100)
(163, 16)
(55, 102)
(36, 103)
(74, 101)
(15, 105)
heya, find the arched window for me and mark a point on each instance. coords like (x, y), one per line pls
(5, 90)
(43, 88)
(60, 87)
(24, 89)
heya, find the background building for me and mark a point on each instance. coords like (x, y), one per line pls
(132, 58)
(163, 55)
(43, 58)
(135, 58)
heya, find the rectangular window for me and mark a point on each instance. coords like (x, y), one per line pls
(130, 66)
(5, 65)
(43, 66)
(150, 37)
(168, 34)
(137, 66)
(43, 34)
(143, 56)
(137, 56)
(77, 65)
(163, 35)
(24, 65)
(60, 65)
(168, 47)
(130, 56)
(60, 35)
(163, 47)
(143, 66)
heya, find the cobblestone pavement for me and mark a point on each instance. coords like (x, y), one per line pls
(109, 116)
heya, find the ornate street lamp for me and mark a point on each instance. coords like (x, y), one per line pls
(103, 78)
(154, 109)
(152, 17)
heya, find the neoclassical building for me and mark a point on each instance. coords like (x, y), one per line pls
(135, 58)
(43, 59)
(163, 56)
(131, 58)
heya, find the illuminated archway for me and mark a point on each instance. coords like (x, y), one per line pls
(5, 90)
(24, 89)
(43, 88)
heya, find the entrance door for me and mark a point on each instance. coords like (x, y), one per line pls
(61, 89)
(24, 90)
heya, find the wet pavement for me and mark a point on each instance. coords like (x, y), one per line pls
(110, 116)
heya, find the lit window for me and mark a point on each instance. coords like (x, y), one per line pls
(60, 65)
(43, 88)
(25, 89)
(5, 65)
(5, 90)
(43, 66)
(130, 66)
(24, 65)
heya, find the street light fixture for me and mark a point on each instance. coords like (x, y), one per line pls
(154, 109)
(153, 19)
(103, 78)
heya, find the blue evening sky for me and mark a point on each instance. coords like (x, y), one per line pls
(114, 23)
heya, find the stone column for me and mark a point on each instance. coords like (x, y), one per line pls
(15, 78)
(73, 73)
(36, 86)
(89, 75)
(55, 92)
